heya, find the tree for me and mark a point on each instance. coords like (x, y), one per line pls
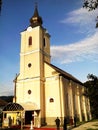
(7, 98)
(0, 5)
(91, 5)
(92, 92)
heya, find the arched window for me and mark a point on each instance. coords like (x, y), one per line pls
(30, 41)
(44, 43)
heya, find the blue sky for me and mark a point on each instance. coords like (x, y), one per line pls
(74, 38)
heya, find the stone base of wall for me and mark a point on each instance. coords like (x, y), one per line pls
(50, 120)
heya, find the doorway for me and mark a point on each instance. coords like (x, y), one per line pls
(29, 117)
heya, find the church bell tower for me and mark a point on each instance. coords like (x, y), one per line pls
(34, 52)
(35, 48)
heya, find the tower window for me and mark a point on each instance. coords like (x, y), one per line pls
(44, 43)
(30, 41)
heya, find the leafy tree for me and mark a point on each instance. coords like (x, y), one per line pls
(91, 5)
(0, 5)
(92, 92)
(7, 98)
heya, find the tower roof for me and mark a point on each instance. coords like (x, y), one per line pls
(36, 20)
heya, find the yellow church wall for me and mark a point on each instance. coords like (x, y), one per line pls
(52, 92)
(49, 71)
(33, 54)
(41, 64)
(73, 99)
(34, 70)
(47, 59)
(72, 87)
(85, 106)
(88, 110)
(22, 94)
(68, 96)
(42, 103)
(47, 44)
(56, 87)
(65, 85)
(38, 35)
(78, 94)
(34, 33)
(62, 90)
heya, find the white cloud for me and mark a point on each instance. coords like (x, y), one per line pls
(86, 49)
(6, 88)
(84, 19)
(7, 91)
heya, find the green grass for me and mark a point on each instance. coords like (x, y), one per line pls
(94, 120)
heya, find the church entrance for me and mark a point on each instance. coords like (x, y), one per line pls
(29, 117)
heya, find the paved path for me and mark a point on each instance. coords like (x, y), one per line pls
(93, 125)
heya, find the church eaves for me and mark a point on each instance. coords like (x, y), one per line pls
(65, 74)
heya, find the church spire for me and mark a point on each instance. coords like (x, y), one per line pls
(36, 20)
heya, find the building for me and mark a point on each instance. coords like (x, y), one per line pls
(42, 89)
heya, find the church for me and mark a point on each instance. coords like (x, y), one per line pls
(43, 90)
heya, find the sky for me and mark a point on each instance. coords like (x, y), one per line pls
(74, 38)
